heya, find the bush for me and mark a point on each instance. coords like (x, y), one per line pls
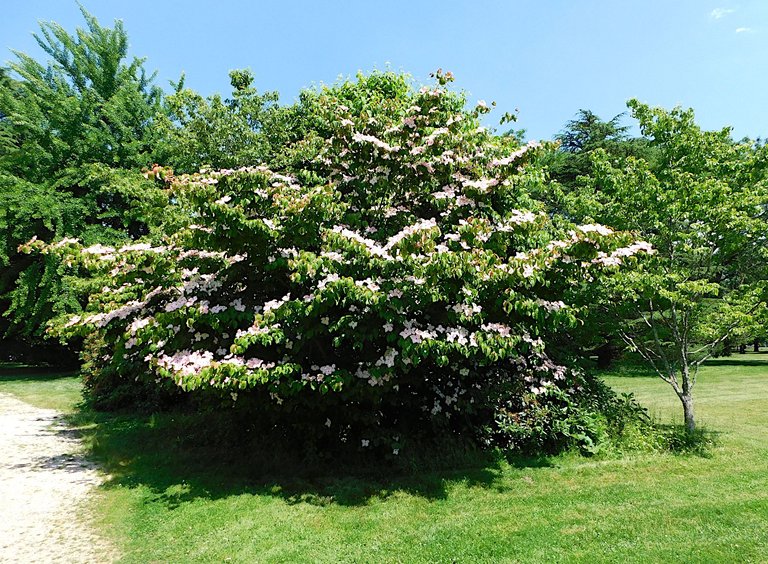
(393, 282)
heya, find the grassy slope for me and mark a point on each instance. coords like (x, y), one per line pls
(168, 501)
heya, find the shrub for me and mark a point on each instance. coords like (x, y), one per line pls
(394, 281)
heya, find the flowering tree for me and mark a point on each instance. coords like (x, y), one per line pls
(394, 276)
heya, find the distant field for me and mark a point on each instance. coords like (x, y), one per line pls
(172, 502)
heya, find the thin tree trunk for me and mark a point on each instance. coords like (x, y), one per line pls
(756, 346)
(686, 395)
(688, 412)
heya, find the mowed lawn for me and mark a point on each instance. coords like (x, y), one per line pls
(41, 387)
(167, 501)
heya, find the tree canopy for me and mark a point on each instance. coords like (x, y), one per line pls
(74, 134)
(701, 203)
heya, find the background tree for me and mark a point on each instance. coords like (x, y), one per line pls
(73, 136)
(579, 138)
(569, 166)
(701, 204)
(586, 133)
(194, 131)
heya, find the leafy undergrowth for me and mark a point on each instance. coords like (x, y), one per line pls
(175, 496)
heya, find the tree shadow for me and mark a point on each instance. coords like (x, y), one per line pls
(34, 373)
(638, 369)
(628, 370)
(166, 454)
(677, 439)
(68, 462)
(731, 361)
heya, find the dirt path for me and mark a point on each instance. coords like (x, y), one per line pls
(44, 484)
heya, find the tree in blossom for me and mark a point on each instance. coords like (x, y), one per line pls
(387, 275)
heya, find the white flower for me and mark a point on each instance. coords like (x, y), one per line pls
(99, 250)
(596, 228)
(138, 324)
(422, 225)
(528, 271)
(360, 138)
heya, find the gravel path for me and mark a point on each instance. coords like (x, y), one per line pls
(44, 484)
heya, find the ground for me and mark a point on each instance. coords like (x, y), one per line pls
(45, 484)
(169, 498)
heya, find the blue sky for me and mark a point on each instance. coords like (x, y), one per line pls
(546, 58)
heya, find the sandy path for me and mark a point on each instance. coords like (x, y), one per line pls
(44, 483)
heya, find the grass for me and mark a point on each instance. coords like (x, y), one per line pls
(172, 499)
(41, 387)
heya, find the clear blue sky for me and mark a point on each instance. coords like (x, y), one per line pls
(547, 58)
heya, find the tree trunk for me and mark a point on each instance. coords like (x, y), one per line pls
(742, 349)
(690, 420)
(606, 354)
(756, 345)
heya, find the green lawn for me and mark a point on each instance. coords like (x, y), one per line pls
(41, 387)
(170, 500)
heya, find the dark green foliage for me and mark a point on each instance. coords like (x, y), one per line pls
(579, 140)
(110, 386)
(74, 133)
(555, 420)
(587, 133)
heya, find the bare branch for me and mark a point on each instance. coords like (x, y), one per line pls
(648, 356)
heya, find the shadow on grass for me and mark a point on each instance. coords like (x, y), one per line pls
(179, 460)
(675, 438)
(628, 370)
(742, 360)
(33, 373)
(638, 369)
